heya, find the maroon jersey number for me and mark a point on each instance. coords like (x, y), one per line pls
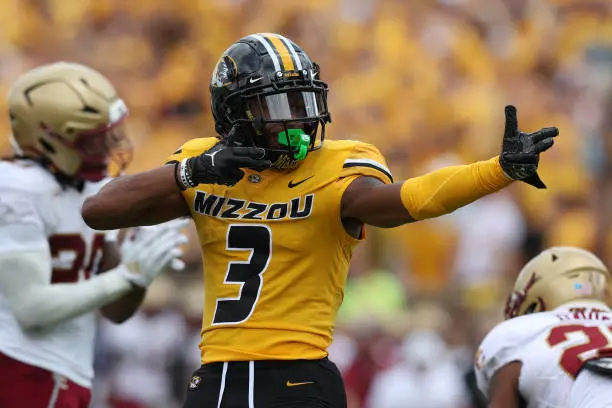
(571, 360)
(75, 245)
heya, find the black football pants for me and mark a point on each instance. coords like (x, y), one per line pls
(267, 384)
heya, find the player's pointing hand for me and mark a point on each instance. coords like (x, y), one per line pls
(521, 151)
(221, 164)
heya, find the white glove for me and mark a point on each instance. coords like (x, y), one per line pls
(147, 251)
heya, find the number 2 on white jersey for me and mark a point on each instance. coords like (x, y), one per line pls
(573, 357)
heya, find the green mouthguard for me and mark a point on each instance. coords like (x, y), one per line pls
(297, 140)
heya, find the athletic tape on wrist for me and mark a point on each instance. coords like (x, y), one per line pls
(185, 174)
(180, 185)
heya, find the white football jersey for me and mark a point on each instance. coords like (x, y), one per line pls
(552, 346)
(32, 200)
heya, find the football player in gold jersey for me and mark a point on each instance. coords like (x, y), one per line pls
(278, 213)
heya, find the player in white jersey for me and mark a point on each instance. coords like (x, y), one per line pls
(66, 121)
(593, 387)
(558, 318)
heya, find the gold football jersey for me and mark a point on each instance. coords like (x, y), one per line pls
(275, 253)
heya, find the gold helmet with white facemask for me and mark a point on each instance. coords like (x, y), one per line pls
(68, 117)
(557, 276)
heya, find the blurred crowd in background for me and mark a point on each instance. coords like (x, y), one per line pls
(426, 81)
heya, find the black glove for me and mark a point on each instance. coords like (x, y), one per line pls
(521, 151)
(221, 164)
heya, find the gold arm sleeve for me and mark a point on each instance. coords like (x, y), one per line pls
(445, 190)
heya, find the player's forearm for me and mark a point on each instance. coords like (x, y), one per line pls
(428, 196)
(128, 201)
(121, 309)
(37, 305)
(443, 191)
(45, 307)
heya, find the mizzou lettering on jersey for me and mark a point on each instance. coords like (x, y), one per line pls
(231, 208)
(275, 253)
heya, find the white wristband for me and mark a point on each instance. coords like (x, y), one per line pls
(184, 175)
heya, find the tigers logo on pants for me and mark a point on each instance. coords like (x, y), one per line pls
(195, 381)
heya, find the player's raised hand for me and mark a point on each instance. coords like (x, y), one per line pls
(521, 151)
(221, 164)
(147, 251)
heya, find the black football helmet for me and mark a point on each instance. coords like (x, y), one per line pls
(266, 83)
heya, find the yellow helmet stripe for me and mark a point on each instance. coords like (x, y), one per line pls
(281, 49)
(296, 58)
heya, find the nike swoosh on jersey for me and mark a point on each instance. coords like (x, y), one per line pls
(292, 184)
(292, 384)
(253, 80)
